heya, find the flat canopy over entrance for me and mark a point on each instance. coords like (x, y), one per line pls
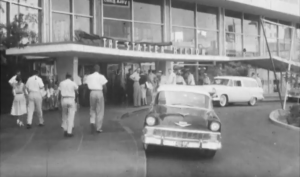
(106, 54)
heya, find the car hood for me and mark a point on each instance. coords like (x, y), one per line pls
(177, 117)
(209, 88)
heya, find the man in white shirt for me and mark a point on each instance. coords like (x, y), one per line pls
(34, 85)
(13, 80)
(171, 77)
(68, 91)
(190, 79)
(77, 80)
(97, 84)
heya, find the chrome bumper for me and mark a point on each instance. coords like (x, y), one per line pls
(212, 143)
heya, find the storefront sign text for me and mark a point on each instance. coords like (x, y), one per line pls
(153, 48)
(116, 2)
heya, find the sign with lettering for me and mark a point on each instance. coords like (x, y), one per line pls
(116, 2)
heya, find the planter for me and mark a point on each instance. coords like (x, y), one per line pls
(293, 117)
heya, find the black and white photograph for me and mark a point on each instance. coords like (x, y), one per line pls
(150, 88)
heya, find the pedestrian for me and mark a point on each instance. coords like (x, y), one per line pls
(190, 78)
(171, 80)
(206, 80)
(13, 80)
(137, 95)
(129, 86)
(179, 78)
(260, 84)
(68, 90)
(19, 108)
(34, 85)
(97, 84)
(143, 85)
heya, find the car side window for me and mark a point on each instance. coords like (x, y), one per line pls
(237, 83)
(230, 83)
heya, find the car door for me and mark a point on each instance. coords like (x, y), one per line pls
(238, 90)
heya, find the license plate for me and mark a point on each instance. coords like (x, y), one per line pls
(182, 143)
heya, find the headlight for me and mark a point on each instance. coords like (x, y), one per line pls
(215, 126)
(150, 121)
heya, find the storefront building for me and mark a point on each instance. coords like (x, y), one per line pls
(201, 31)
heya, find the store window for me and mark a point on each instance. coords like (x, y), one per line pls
(285, 40)
(61, 5)
(251, 35)
(183, 37)
(233, 26)
(272, 35)
(148, 11)
(61, 25)
(296, 56)
(147, 32)
(117, 11)
(183, 13)
(30, 17)
(207, 29)
(83, 7)
(33, 3)
(117, 29)
(64, 14)
(83, 24)
(3, 19)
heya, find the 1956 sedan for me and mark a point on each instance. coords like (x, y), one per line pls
(183, 117)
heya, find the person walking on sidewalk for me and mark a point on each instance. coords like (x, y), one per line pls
(97, 84)
(19, 104)
(68, 91)
(34, 85)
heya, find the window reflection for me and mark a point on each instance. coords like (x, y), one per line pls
(208, 40)
(118, 12)
(83, 23)
(117, 29)
(147, 32)
(251, 24)
(285, 35)
(272, 36)
(183, 37)
(207, 17)
(183, 13)
(297, 44)
(83, 7)
(233, 21)
(233, 45)
(148, 10)
(61, 25)
(61, 5)
(36, 3)
(30, 20)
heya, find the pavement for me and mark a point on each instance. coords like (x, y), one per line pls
(252, 147)
(43, 151)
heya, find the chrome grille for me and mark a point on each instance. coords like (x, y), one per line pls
(179, 134)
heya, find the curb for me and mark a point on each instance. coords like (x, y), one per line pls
(141, 172)
(274, 118)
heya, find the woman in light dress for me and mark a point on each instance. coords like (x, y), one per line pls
(19, 106)
(137, 94)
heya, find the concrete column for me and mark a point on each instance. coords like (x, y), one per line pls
(75, 67)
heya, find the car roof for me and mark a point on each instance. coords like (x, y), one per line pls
(234, 77)
(183, 88)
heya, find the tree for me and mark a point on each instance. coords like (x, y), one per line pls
(236, 69)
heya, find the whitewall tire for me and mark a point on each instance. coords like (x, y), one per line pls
(223, 101)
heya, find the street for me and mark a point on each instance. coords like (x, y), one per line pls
(252, 146)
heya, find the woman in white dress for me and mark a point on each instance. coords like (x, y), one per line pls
(19, 106)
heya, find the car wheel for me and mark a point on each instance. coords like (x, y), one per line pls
(209, 154)
(223, 101)
(252, 102)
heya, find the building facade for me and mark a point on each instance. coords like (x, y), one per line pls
(201, 31)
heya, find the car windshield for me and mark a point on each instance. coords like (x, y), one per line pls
(190, 99)
(221, 81)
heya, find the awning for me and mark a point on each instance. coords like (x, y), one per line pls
(113, 55)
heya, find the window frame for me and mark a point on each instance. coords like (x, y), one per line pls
(72, 15)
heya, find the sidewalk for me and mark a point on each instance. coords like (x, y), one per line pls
(273, 97)
(45, 152)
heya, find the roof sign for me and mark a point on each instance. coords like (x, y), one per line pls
(116, 2)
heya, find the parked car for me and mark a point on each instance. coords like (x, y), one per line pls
(234, 89)
(294, 93)
(183, 117)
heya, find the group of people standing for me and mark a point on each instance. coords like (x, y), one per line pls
(28, 98)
